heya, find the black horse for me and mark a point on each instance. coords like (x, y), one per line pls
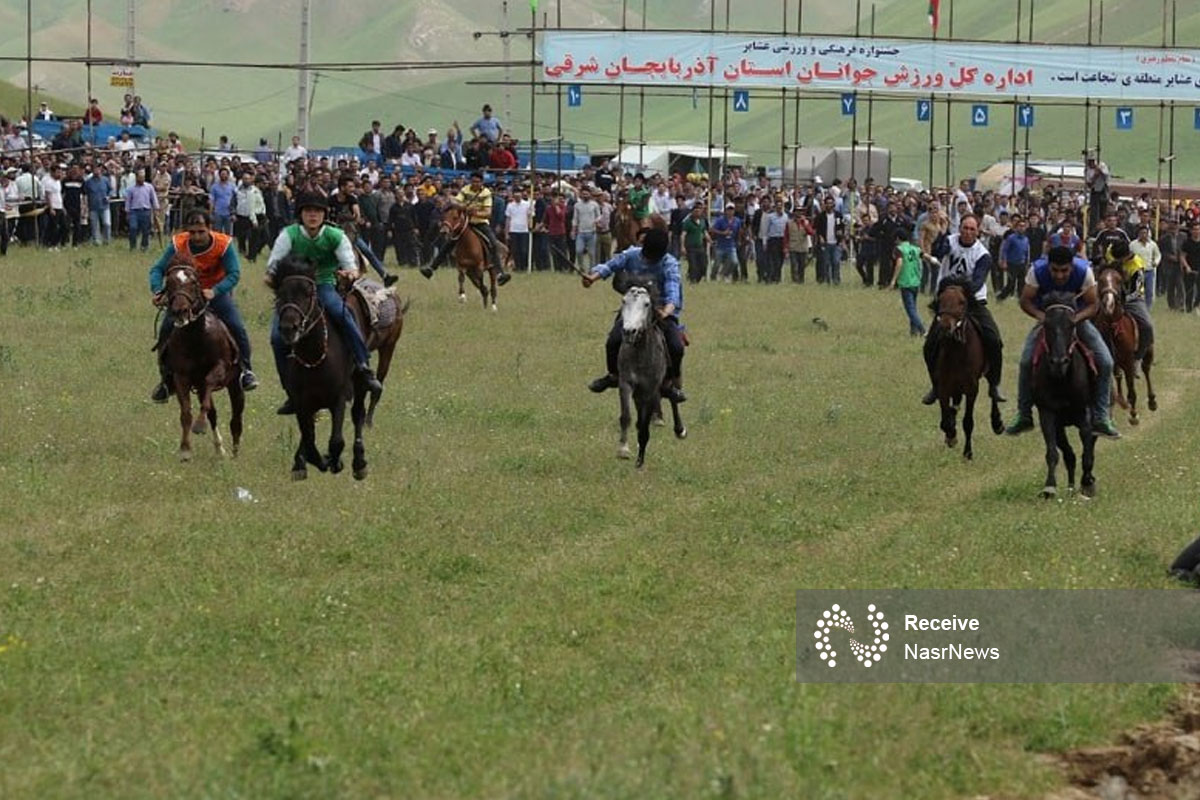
(1063, 387)
(319, 373)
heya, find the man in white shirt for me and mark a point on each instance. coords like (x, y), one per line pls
(1147, 249)
(517, 214)
(412, 156)
(294, 152)
(661, 202)
(125, 144)
(55, 230)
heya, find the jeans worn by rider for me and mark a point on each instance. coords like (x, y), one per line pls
(970, 266)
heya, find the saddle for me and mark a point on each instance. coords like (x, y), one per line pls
(1040, 350)
(483, 240)
(380, 302)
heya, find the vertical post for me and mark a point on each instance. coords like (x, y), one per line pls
(1087, 101)
(29, 76)
(708, 166)
(532, 126)
(725, 131)
(932, 147)
(1100, 103)
(506, 42)
(949, 101)
(642, 110)
(796, 117)
(302, 92)
(1029, 38)
(1171, 122)
(854, 117)
(1162, 113)
(558, 92)
(130, 28)
(621, 94)
(89, 62)
(783, 112)
(1013, 170)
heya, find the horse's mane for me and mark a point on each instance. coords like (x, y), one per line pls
(294, 265)
(960, 283)
(1059, 299)
(623, 281)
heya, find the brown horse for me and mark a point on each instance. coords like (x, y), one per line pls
(381, 339)
(202, 357)
(625, 228)
(960, 364)
(469, 253)
(1120, 332)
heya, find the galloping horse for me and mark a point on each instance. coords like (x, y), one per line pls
(1063, 384)
(202, 357)
(960, 364)
(381, 339)
(469, 253)
(625, 228)
(320, 371)
(1120, 331)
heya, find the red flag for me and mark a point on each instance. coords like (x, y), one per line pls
(933, 14)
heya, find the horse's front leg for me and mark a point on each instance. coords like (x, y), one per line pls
(625, 391)
(183, 393)
(237, 404)
(968, 425)
(1049, 426)
(208, 408)
(308, 439)
(1088, 482)
(337, 442)
(1068, 455)
(948, 421)
(462, 293)
(1131, 392)
(358, 415)
(492, 288)
(645, 410)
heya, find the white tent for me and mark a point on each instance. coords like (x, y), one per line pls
(684, 158)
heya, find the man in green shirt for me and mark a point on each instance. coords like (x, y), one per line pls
(639, 200)
(695, 242)
(907, 275)
(331, 254)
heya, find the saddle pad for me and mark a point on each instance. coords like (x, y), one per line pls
(380, 302)
(1040, 350)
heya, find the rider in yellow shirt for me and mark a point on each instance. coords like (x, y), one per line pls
(1120, 257)
(477, 200)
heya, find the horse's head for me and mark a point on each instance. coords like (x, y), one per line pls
(637, 313)
(454, 219)
(1108, 285)
(296, 302)
(185, 296)
(1059, 330)
(952, 311)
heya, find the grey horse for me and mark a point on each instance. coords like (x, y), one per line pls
(641, 368)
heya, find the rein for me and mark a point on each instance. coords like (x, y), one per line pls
(308, 320)
(1074, 335)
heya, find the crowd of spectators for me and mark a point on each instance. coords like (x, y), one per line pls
(730, 229)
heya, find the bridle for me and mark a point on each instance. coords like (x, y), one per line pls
(309, 319)
(958, 332)
(1074, 335)
(455, 231)
(197, 304)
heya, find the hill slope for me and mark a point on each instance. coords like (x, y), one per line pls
(248, 103)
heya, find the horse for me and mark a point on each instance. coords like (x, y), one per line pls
(960, 364)
(382, 339)
(320, 373)
(625, 229)
(1120, 332)
(1063, 384)
(470, 255)
(641, 368)
(202, 357)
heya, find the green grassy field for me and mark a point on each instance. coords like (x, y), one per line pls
(504, 609)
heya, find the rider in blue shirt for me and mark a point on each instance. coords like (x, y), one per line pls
(652, 261)
(1061, 271)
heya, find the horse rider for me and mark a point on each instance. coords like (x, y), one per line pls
(477, 200)
(969, 261)
(215, 259)
(651, 260)
(1133, 270)
(1062, 271)
(330, 251)
(639, 201)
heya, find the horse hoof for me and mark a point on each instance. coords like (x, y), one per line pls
(641, 464)
(1152, 404)
(1049, 493)
(494, 307)
(1133, 420)
(968, 456)
(623, 452)
(185, 455)
(200, 427)
(462, 298)
(1088, 491)
(681, 433)
(336, 467)
(299, 474)
(658, 422)
(951, 442)
(360, 473)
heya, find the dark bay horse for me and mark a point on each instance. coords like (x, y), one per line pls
(380, 339)
(1120, 332)
(1063, 384)
(470, 256)
(960, 364)
(320, 371)
(202, 357)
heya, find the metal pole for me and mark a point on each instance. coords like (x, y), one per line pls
(796, 117)
(89, 60)
(506, 42)
(854, 117)
(1013, 172)
(304, 73)
(621, 106)
(708, 166)
(29, 76)
(130, 29)
(1162, 113)
(1100, 103)
(1171, 135)
(949, 102)
(725, 131)
(642, 109)
(558, 127)
(532, 129)
(783, 112)
(1028, 99)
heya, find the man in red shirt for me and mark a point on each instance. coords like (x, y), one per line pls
(556, 229)
(502, 157)
(93, 116)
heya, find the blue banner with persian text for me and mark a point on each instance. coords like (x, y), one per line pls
(882, 65)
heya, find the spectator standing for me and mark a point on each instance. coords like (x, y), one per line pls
(295, 151)
(907, 275)
(776, 223)
(1146, 248)
(72, 195)
(583, 228)
(250, 213)
(726, 232)
(797, 238)
(98, 191)
(604, 228)
(1015, 258)
(1189, 261)
(221, 197)
(517, 217)
(93, 115)
(556, 229)
(1171, 272)
(696, 241)
(831, 233)
(140, 203)
(54, 233)
(487, 126)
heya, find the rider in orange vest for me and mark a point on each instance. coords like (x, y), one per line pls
(216, 261)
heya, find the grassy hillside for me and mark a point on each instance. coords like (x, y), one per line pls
(505, 610)
(248, 103)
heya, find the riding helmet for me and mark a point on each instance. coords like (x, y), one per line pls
(311, 200)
